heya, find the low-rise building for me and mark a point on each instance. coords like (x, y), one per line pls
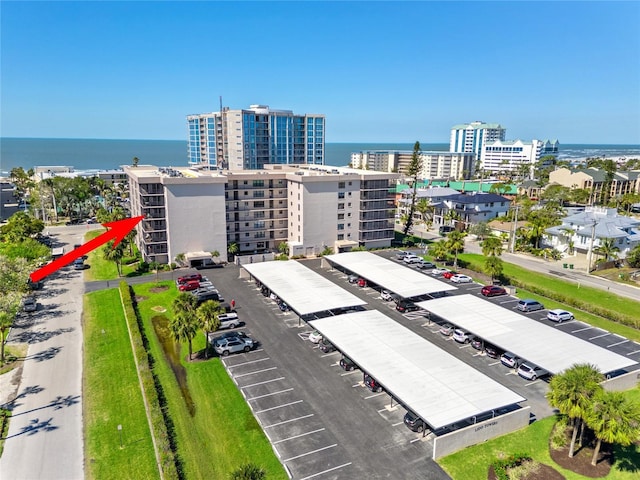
(194, 211)
(595, 180)
(585, 231)
(435, 164)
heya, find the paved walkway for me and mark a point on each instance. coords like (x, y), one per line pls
(45, 437)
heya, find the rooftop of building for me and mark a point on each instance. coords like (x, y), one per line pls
(477, 125)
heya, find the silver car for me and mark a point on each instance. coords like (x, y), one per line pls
(530, 371)
(225, 346)
(559, 315)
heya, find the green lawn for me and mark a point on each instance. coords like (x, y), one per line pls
(101, 269)
(472, 463)
(222, 434)
(112, 395)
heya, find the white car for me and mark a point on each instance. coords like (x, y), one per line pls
(315, 337)
(386, 295)
(530, 371)
(460, 278)
(411, 258)
(461, 336)
(559, 315)
(439, 271)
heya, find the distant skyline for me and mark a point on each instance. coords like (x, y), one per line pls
(383, 72)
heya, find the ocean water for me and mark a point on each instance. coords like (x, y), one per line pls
(89, 154)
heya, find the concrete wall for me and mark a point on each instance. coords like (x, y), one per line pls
(622, 382)
(196, 218)
(480, 432)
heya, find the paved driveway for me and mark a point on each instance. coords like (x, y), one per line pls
(45, 438)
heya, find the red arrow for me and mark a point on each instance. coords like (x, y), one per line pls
(117, 231)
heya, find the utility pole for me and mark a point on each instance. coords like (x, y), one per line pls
(512, 247)
(593, 237)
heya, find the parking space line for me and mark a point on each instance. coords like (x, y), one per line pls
(253, 373)
(247, 363)
(279, 406)
(289, 421)
(262, 383)
(617, 343)
(509, 301)
(581, 329)
(328, 354)
(311, 452)
(269, 394)
(415, 440)
(326, 471)
(397, 424)
(599, 336)
(349, 373)
(298, 436)
(636, 351)
(530, 383)
(374, 395)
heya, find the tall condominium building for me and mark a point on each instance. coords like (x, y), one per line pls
(516, 156)
(472, 137)
(195, 211)
(250, 138)
(435, 165)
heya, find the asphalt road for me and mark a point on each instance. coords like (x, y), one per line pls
(45, 438)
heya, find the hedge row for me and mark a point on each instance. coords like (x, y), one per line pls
(152, 388)
(578, 302)
(500, 466)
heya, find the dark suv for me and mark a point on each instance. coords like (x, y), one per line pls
(414, 422)
(405, 305)
(372, 384)
(347, 364)
(326, 346)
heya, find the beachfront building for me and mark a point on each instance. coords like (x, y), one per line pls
(435, 164)
(195, 211)
(250, 138)
(472, 137)
(515, 156)
(584, 232)
(9, 202)
(595, 181)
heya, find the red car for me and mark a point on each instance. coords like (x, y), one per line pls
(189, 285)
(362, 282)
(450, 274)
(492, 291)
(188, 278)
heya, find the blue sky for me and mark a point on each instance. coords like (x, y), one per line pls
(379, 71)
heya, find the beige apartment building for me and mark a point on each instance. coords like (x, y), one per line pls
(197, 211)
(435, 165)
(595, 180)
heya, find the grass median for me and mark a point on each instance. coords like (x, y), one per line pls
(213, 427)
(99, 267)
(112, 395)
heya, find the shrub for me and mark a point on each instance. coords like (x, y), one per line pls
(501, 465)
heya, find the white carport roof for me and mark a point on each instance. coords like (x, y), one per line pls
(388, 274)
(435, 385)
(541, 344)
(304, 290)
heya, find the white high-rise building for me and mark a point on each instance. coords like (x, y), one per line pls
(503, 156)
(435, 165)
(472, 137)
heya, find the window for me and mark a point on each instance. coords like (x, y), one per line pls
(340, 216)
(341, 236)
(341, 206)
(340, 184)
(340, 194)
(258, 204)
(341, 226)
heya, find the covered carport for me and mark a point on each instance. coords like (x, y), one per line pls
(302, 289)
(389, 275)
(441, 389)
(541, 344)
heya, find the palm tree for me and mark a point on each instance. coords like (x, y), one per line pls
(6, 321)
(426, 211)
(572, 393)
(493, 266)
(439, 250)
(233, 249)
(208, 313)
(455, 243)
(607, 249)
(491, 247)
(614, 419)
(184, 324)
(452, 217)
(114, 254)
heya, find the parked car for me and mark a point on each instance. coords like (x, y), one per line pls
(439, 271)
(362, 282)
(425, 265)
(401, 254)
(529, 305)
(225, 346)
(347, 364)
(510, 360)
(411, 258)
(326, 346)
(78, 264)
(460, 278)
(29, 304)
(204, 295)
(405, 305)
(35, 285)
(530, 371)
(460, 336)
(449, 274)
(229, 334)
(386, 295)
(444, 229)
(559, 315)
(189, 285)
(372, 384)
(353, 278)
(447, 329)
(492, 291)
(476, 342)
(492, 351)
(187, 278)
(414, 422)
(315, 337)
